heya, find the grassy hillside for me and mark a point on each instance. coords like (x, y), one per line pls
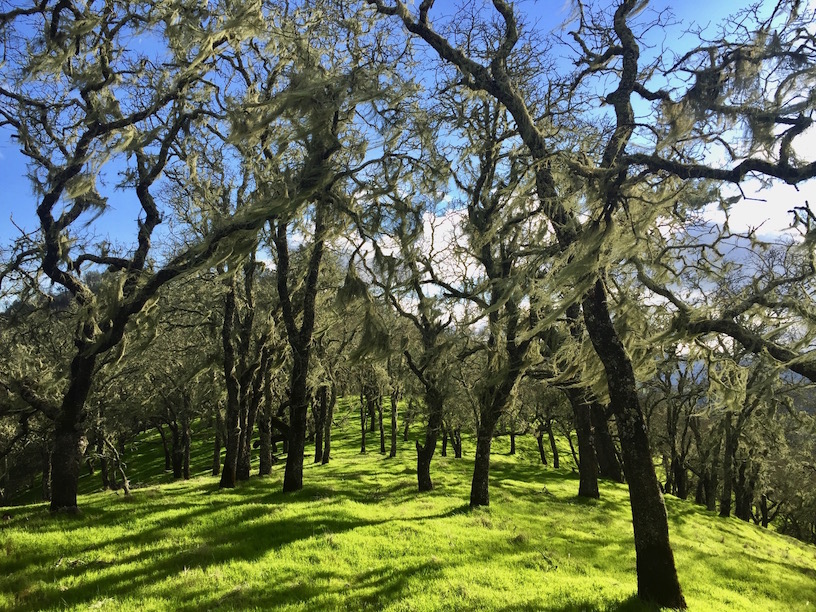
(359, 537)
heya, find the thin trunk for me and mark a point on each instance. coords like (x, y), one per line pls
(363, 428)
(656, 571)
(168, 464)
(728, 466)
(219, 426)
(46, 474)
(540, 441)
(320, 422)
(608, 464)
(456, 440)
(380, 423)
(186, 439)
(444, 451)
(407, 419)
(394, 404)
(553, 448)
(104, 468)
(327, 429)
(177, 451)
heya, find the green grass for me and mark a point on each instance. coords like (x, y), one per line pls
(359, 537)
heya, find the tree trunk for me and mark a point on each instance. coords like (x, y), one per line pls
(168, 463)
(327, 429)
(540, 441)
(587, 461)
(456, 440)
(46, 474)
(480, 486)
(728, 466)
(394, 429)
(219, 426)
(380, 423)
(363, 428)
(177, 451)
(425, 452)
(320, 422)
(608, 464)
(185, 445)
(298, 413)
(656, 571)
(444, 451)
(553, 447)
(229, 473)
(512, 442)
(66, 455)
(407, 419)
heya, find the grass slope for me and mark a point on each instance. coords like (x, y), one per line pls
(359, 537)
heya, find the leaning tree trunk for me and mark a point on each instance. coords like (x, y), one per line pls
(587, 461)
(66, 456)
(656, 571)
(553, 446)
(540, 441)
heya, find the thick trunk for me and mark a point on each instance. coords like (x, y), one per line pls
(456, 440)
(66, 456)
(587, 461)
(608, 464)
(298, 413)
(425, 452)
(512, 442)
(479, 487)
(656, 571)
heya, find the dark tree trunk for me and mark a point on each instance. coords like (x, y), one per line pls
(608, 464)
(104, 463)
(298, 413)
(512, 442)
(394, 429)
(456, 440)
(444, 451)
(327, 428)
(363, 428)
(229, 473)
(219, 426)
(372, 413)
(540, 441)
(587, 461)
(66, 456)
(320, 422)
(553, 447)
(680, 478)
(480, 486)
(381, 424)
(656, 571)
(425, 452)
(177, 451)
(186, 439)
(168, 462)
(46, 474)
(728, 466)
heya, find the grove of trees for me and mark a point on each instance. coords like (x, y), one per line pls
(478, 220)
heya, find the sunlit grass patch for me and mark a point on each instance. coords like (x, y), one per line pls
(359, 537)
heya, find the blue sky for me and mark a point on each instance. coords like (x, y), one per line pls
(118, 223)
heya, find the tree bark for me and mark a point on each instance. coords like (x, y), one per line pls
(363, 428)
(541, 453)
(394, 429)
(656, 571)
(728, 466)
(168, 462)
(587, 461)
(480, 486)
(320, 422)
(608, 464)
(425, 452)
(327, 428)
(66, 456)
(381, 424)
(233, 417)
(553, 447)
(219, 426)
